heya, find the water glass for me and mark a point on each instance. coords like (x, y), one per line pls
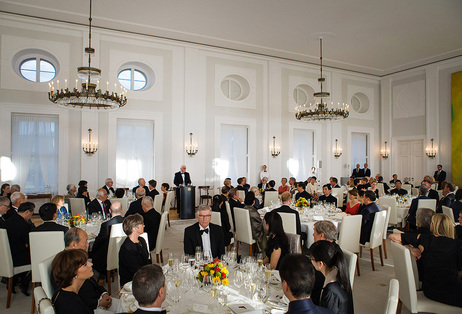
(238, 278)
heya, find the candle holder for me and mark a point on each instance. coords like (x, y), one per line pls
(89, 147)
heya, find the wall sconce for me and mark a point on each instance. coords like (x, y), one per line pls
(385, 151)
(431, 151)
(275, 150)
(337, 150)
(191, 149)
(89, 147)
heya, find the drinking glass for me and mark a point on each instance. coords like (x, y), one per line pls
(238, 278)
(198, 255)
(260, 260)
(207, 256)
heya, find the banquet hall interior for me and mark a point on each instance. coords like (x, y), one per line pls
(220, 87)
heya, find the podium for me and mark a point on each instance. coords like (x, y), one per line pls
(187, 202)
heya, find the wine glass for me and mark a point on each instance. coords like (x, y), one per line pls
(207, 256)
(198, 255)
(238, 278)
(260, 260)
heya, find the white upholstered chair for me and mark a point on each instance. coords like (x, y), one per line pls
(349, 234)
(160, 239)
(168, 203)
(78, 206)
(289, 222)
(44, 305)
(393, 297)
(295, 246)
(146, 238)
(270, 196)
(123, 201)
(216, 218)
(376, 236)
(385, 229)
(408, 188)
(241, 194)
(231, 223)
(391, 203)
(158, 203)
(381, 189)
(45, 275)
(116, 239)
(352, 259)
(448, 211)
(427, 203)
(243, 228)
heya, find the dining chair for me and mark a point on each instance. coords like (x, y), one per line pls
(415, 192)
(160, 239)
(243, 228)
(387, 209)
(78, 206)
(289, 222)
(204, 194)
(116, 239)
(42, 245)
(337, 191)
(231, 223)
(270, 197)
(48, 284)
(158, 203)
(413, 300)
(427, 203)
(376, 237)
(144, 235)
(381, 189)
(6, 264)
(435, 186)
(44, 305)
(216, 218)
(448, 211)
(123, 202)
(408, 188)
(295, 246)
(352, 259)
(168, 204)
(241, 194)
(391, 203)
(349, 235)
(393, 297)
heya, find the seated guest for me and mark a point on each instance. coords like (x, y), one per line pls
(15, 188)
(6, 190)
(297, 285)
(327, 197)
(431, 193)
(71, 190)
(227, 183)
(285, 208)
(119, 193)
(152, 189)
(411, 218)
(458, 229)
(407, 180)
(133, 253)
(48, 214)
(357, 184)
(70, 270)
(255, 191)
(364, 184)
(82, 192)
(141, 184)
(164, 188)
(312, 186)
(245, 184)
(293, 185)
(333, 181)
(448, 197)
(395, 178)
(284, 187)
(4, 206)
(457, 205)
(135, 207)
(61, 210)
(278, 243)
(442, 260)
(241, 186)
(100, 204)
(270, 187)
(149, 289)
(76, 238)
(99, 250)
(353, 204)
(108, 186)
(151, 221)
(385, 185)
(17, 198)
(256, 223)
(84, 183)
(373, 187)
(398, 190)
(234, 201)
(302, 192)
(203, 234)
(330, 261)
(18, 229)
(219, 205)
(263, 185)
(368, 213)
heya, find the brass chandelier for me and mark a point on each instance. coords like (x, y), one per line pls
(90, 96)
(320, 110)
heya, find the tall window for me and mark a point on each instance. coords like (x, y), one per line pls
(359, 149)
(303, 154)
(234, 151)
(135, 151)
(34, 152)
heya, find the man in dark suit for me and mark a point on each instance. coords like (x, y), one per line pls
(181, 179)
(368, 213)
(366, 171)
(398, 190)
(357, 172)
(440, 176)
(48, 214)
(4, 207)
(395, 178)
(17, 198)
(333, 181)
(204, 234)
(234, 201)
(363, 185)
(240, 185)
(286, 199)
(149, 289)
(328, 197)
(99, 250)
(142, 184)
(301, 191)
(264, 184)
(151, 221)
(100, 204)
(219, 205)
(108, 186)
(431, 193)
(385, 185)
(135, 207)
(152, 189)
(245, 184)
(413, 208)
(448, 197)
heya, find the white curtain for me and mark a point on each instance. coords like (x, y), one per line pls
(135, 151)
(234, 151)
(35, 152)
(358, 149)
(302, 152)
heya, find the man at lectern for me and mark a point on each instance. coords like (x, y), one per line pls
(181, 179)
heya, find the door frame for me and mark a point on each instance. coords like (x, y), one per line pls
(394, 150)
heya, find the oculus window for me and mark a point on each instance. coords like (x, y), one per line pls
(37, 70)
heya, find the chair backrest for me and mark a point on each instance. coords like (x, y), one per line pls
(228, 210)
(146, 238)
(216, 218)
(381, 189)
(407, 187)
(386, 208)
(435, 186)
(116, 238)
(377, 229)
(405, 276)
(427, 203)
(46, 276)
(123, 201)
(158, 203)
(161, 233)
(448, 211)
(289, 222)
(270, 196)
(42, 246)
(78, 206)
(415, 192)
(337, 191)
(243, 227)
(241, 194)
(350, 232)
(339, 198)
(168, 201)
(391, 203)
(295, 246)
(351, 258)
(42, 303)
(6, 261)
(393, 297)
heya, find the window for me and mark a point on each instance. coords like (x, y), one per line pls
(360, 103)
(37, 70)
(303, 154)
(34, 147)
(235, 87)
(132, 79)
(359, 149)
(234, 151)
(135, 151)
(303, 95)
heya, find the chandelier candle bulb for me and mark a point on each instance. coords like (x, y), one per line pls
(65, 84)
(57, 84)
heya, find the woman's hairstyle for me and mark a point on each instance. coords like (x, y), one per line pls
(249, 198)
(227, 182)
(119, 192)
(65, 266)
(83, 183)
(332, 256)
(353, 192)
(275, 227)
(131, 222)
(81, 190)
(57, 198)
(4, 186)
(372, 180)
(443, 226)
(166, 186)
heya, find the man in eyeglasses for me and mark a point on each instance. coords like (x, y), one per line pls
(204, 234)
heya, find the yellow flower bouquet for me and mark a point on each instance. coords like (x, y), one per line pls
(76, 220)
(302, 202)
(217, 271)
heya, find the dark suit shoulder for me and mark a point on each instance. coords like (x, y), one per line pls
(51, 226)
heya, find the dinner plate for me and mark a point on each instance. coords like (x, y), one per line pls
(278, 300)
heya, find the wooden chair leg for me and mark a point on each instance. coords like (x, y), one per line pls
(237, 247)
(10, 289)
(33, 299)
(380, 252)
(108, 279)
(400, 306)
(168, 219)
(360, 251)
(250, 249)
(161, 257)
(357, 266)
(385, 248)
(157, 258)
(372, 259)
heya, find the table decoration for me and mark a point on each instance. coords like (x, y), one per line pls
(216, 271)
(77, 220)
(302, 202)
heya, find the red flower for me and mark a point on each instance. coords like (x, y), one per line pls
(217, 269)
(223, 275)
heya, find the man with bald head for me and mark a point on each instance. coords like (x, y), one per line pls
(135, 207)
(181, 179)
(151, 220)
(141, 184)
(100, 204)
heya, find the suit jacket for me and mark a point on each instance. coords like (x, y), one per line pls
(328, 199)
(368, 213)
(357, 173)
(256, 223)
(263, 187)
(434, 195)
(99, 250)
(440, 178)
(366, 172)
(90, 292)
(400, 192)
(287, 209)
(306, 306)
(18, 235)
(413, 210)
(303, 194)
(145, 188)
(110, 190)
(140, 311)
(10, 213)
(51, 226)
(242, 188)
(456, 208)
(135, 208)
(132, 256)
(153, 193)
(178, 179)
(95, 207)
(192, 238)
(2, 223)
(151, 226)
(219, 205)
(446, 201)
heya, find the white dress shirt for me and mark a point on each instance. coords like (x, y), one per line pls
(102, 208)
(206, 240)
(312, 189)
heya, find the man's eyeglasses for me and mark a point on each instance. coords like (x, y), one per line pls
(204, 216)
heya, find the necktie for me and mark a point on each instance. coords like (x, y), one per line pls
(104, 210)
(205, 230)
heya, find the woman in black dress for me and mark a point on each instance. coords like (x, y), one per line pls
(82, 192)
(133, 253)
(70, 269)
(441, 257)
(278, 243)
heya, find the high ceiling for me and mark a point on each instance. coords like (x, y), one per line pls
(377, 37)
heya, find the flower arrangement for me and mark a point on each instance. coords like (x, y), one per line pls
(401, 199)
(75, 220)
(301, 202)
(216, 270)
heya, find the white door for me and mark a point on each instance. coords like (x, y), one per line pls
(411, 160)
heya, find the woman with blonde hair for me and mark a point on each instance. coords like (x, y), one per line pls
(373, 187)
(441, 257)
(61, 210)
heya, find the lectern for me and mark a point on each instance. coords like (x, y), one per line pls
(187, 202)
